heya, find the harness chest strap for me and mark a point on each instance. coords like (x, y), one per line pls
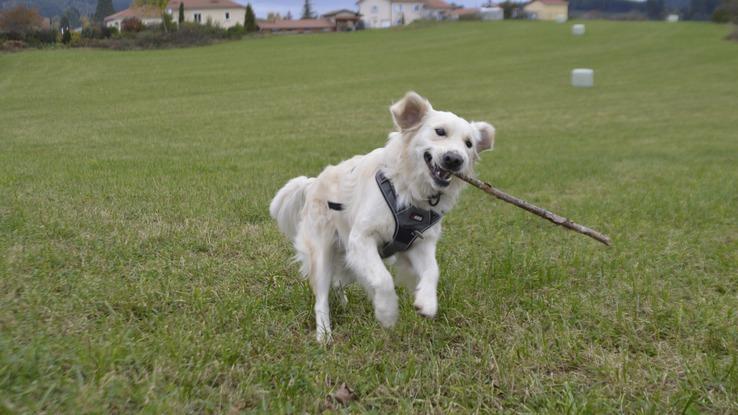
(410, 221)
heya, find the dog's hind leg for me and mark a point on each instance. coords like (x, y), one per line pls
(321, 283)
(341, 277)
(314, 251)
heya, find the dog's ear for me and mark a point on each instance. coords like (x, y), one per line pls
(409, 112)
(486, 136)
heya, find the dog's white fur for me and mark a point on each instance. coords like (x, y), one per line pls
(338, 247)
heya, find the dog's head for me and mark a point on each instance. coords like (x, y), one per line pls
(441, 141)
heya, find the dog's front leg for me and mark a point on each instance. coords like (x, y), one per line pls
(363, 258)
(422, 259)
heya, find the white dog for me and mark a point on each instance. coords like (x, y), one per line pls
(385, 205)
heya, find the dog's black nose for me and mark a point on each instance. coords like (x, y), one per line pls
(452, 161)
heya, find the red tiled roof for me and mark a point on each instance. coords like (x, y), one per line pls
(302, 24)
(553, 2)
(204, 4)
(431, 4)
(437, 4)
(139, 12)
(335, 12)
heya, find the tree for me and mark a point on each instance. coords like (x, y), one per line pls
(161, 4)
(726, 12)
(167, 23)
(701, 9)
(288, 16)
(64, 27)
(250, 22)
(104, 9)
(20, 20)
(273, 16)
(507, 9)
(307, 11)
(180, 19)
(655, 9)
(74, 17)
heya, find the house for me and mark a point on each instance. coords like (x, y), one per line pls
(387, 13)
(346, 20)
(335, 21)
(148, 15)
(492, 13)
(219, 13)
(547, 9)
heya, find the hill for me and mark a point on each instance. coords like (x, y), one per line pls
(52, 8)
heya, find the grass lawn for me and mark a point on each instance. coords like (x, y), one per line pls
(140, 270)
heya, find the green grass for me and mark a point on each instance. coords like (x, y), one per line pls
(140, 271)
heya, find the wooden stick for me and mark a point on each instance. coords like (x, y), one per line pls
(558, 220)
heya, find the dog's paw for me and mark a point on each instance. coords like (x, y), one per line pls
(324, 336)
(426, 307)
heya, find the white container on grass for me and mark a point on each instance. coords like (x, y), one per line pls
(577, 29)
(582, 78)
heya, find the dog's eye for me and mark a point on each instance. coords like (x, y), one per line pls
(441, 132)
(468, 143)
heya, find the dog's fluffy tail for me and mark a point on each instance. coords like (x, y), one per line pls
(287, 204)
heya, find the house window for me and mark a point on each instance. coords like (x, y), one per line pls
(375, 9)
(416, 7)
(398, 7)
(228, 15)
(198, 18)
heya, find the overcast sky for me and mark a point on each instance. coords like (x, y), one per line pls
(262, 7)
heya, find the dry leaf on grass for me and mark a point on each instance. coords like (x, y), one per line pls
(344, 394)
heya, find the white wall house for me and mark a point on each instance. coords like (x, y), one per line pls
(148, 15)
(220, 13)
(387, 13)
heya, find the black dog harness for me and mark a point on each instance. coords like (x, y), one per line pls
(410, 221)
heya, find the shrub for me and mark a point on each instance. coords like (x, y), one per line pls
(236, 31)
(13, 45)
(470, 17)
(131, 24)
(734, 35)
(98, 31)
(188, 34)
(721, 16)
(167, 23)
(40, 38)
(66, 36)
(75, 39)
(20, 21)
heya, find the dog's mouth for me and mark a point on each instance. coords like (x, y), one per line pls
(440, 176)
